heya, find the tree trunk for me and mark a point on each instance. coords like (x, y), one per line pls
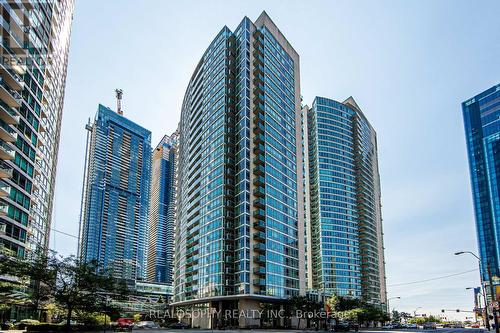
(68, 317)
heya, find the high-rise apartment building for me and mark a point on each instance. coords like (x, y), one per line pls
(482, 131)
(115, 208)
(161, 212)
(344, 224)
(34, 53)
(240, 216)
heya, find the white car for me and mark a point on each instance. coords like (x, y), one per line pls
(145, 324)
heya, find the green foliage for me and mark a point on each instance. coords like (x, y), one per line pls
(29, 281)
(422, 320)
(69, 283)
(347, 309)
(92, 318)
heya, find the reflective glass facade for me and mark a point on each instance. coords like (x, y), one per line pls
(344, 216)
(34, 56)
(240, 191)
(482, 131)
(115, 209)
(161, 212)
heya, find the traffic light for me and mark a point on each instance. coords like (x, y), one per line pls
(442, 310)
(458, 310)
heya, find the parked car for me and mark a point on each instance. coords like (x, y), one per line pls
(179, 325)
(429, 325)
(145, 324)
(474, 326)
(125, 322)
(411, 326)
(388, 327)
(344, 326)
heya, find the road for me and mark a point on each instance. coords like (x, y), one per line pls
(439, 330)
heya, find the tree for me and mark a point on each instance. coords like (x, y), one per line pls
(352, 309)
(299, 303)
(82, 286)
(45, 279)
(28, 281)
(396, 317)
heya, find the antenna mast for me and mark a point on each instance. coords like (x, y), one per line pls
(119, 95)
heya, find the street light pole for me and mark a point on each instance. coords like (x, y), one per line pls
(486, 316)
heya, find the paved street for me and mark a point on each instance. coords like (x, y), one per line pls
(440, 330)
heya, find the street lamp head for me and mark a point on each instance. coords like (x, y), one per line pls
(459, 253)
(469, 288)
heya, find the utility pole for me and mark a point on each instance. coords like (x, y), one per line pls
(492, 293)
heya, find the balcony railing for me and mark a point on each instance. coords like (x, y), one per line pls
(5, 170)
(9, 95)
(9, 114)
(4, 208)
(259, 247)
(13, 79)
(6, 152)
(4, 189)
(7, 133)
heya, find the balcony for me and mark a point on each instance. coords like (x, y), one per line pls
(259, 138)
(260, 259)
(259, 282)
(259, 170)
(259, 108)
(261, 203)
(4, 208)
(258, 90)
(8, 114)
(258, 68)
(260, 236)
(259, 160)
(259, 247)
(259, 270)
(12, 60)
(10, 77)
(6, 152)
(259, 225)
(5, 170)
(258, 119)
(259, 192)
(259, 129)
(9, 96)
(259, 180)
(4, 189)
(7, 133)
(259, 214)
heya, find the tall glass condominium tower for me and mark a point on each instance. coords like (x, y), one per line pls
(34, 52)
(344, 224)
(161, 212)
(115, 207)
(482, 131)
(240, 215)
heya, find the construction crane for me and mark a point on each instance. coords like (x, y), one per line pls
(119, 95)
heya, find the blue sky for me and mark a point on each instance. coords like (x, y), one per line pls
(409, 65)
